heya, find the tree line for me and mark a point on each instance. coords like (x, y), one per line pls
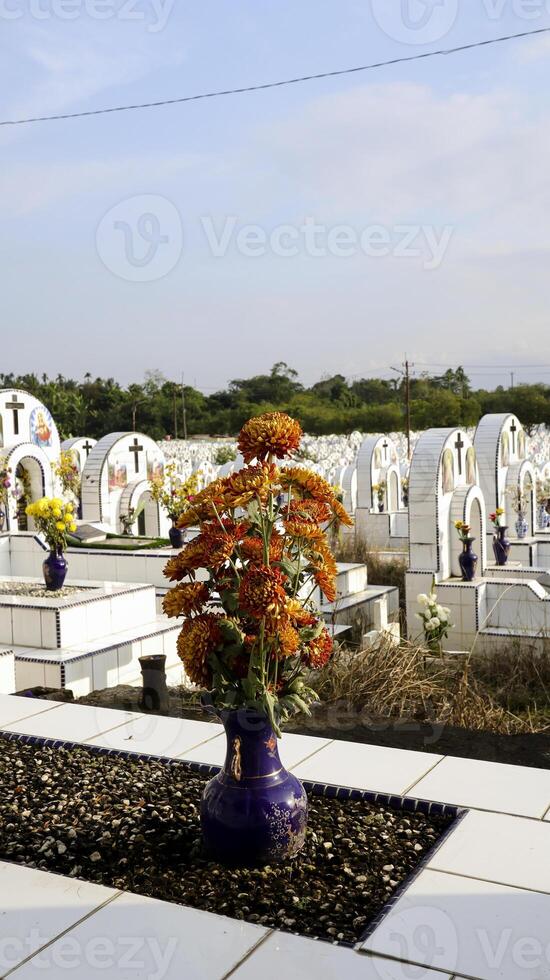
(160, 407)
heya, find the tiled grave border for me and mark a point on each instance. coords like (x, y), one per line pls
(405, 804)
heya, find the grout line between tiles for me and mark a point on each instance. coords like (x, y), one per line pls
(248, 954)
(70, 928)
(490, 881)
(428, 771)
(311, 754)
(445, 972)
(36, 714)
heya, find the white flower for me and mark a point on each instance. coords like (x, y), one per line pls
(434, 623)
(422, 599)
(441, 614)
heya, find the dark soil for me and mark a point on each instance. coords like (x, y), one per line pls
(135, 826)
(344, 721)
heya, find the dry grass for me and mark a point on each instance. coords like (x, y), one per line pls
(407, 682)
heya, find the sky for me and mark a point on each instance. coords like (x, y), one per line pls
(336, 225)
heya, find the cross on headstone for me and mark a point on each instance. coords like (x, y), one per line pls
(385, 447)
(87, 447)
(136, 449)
(14, 405)
(513, 430)
(459, 446)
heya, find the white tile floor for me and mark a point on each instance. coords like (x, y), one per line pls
(367, 767)
(468, 927)
(35, 907)
(14, 708)
(72, 722)
(479, 910)
(487, 786)
(143, 938)
(157, 736)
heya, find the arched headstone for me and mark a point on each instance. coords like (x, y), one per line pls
(81, 448)
(504, 469)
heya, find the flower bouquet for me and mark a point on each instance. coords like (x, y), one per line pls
(174, 496)
(379, 490)
(54, 518)
(501, 544)
(467, 560)
(251, 631)
(435, 620)
(68, 473)
(5, 486)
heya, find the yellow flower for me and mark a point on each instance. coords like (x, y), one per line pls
(72, 527)
(60, 525)
(499, 511)
(56, 512)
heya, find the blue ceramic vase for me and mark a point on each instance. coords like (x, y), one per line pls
(253, 811)
(177, 537)
(501, 546)
(468, 560)
(522, 526)
(55, 570)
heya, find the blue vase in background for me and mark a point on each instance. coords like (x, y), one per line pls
(177, 537)
(468, 560)
(54, 568)
(522, 526)
(253, 811)
(501, 546)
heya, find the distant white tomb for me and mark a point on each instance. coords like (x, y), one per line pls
(29, 444)
(380, 514)
(81, 448)
(116, 478)
(509, 601)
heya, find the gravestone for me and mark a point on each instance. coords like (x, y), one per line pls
(380, 517)
(116, 477)
(29, 444)
(81, 448)
(505, 469)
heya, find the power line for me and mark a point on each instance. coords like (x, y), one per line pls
(270, 85)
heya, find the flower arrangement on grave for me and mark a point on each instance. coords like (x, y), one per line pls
(501, 544)
(405, 491)
(435, 620)
(467, 560)
(251, 631)
(519, 502)
(379, 490)
(54, 518)
(175, 497)
(5, 487)
(67, 471)
(543, 501)
(225, 454)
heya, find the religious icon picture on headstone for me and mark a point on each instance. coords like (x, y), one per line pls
(377, 458)
(448, 467)
(521, 444)
(118, 475)
(471, 465)
(41, 427)
(155, 467)
(505, 449)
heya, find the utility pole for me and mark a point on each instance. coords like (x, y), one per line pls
(183, 408)
(175, 414)
(512, 380)
(405, 372)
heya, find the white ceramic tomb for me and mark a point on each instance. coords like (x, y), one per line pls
(508, 602)
(116, 477)
(382, 524)
(81, 448)
(29, 444)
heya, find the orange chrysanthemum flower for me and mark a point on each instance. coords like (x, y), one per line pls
(305, 483)
(272, 434)
(318, 652)
(314, 510)
(219, 540)
(205, 505)
(324, 569)
(199, 638)
(287, 639)
(298, 615)
(252, 548)
(300, 527)
(261, 593)
(250, 483)
(341, 514)
(192, 556)
(184, 599)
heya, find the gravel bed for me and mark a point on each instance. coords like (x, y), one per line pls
(37, 590)
(135, 826)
